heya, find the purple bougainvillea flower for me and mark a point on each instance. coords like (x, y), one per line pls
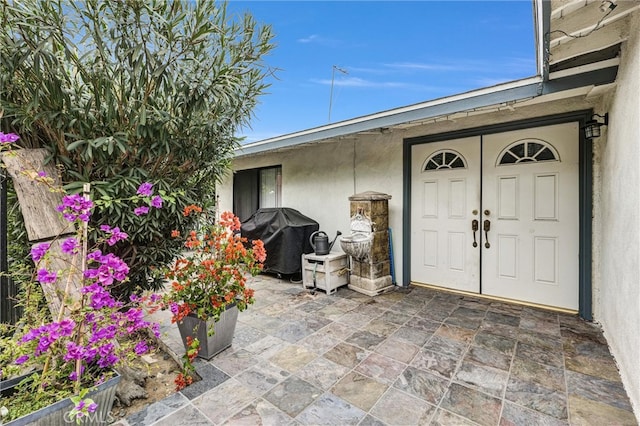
(47, 277)
(8, 137)
(156, 202)
(69, 246)
(38, 251)
(75, 207)
(92, 407)
(22, 359)
(116, 235)
(145, 189)
(142, 210)
(141, 348)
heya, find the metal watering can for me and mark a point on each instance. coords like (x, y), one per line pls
(320, 242)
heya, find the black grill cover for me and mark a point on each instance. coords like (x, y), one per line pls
(285, 233)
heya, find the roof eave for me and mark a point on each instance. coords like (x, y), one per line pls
(502, 93)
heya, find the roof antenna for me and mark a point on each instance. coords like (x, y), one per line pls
(333, 74)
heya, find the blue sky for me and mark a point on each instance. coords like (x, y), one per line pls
(395, 53)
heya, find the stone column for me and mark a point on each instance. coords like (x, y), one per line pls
(372, 276)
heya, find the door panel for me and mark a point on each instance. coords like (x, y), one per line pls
(528, 235)
(446, 189)
(533, 210)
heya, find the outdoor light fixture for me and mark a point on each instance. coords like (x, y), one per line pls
(592, 128)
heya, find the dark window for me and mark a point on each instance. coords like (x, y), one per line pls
(530, 151)
(256, 188)
(444, 159)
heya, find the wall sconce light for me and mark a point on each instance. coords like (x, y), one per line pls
(592, 128)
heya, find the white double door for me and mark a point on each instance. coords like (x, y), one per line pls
(498, 215)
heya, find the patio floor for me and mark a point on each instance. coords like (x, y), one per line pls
(410, 357)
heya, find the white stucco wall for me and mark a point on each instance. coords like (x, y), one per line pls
(317, 180)
(617, 215)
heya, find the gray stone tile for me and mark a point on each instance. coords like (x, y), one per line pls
(398, 350)
(259, 413)
(293, 395)
(537, 397)
(515, 415)
(467, 318)
(353, 319)
(502, 318)
(544, 341)
(266, 347)
(482, 377)
(337, 330)
(435, 362)
(540, 325)
(381, 327)
(330, 410)
(589, 412)
(244, 336)
(545, 375)
(185, 416)
(446, 346)
(501, 329)
(364, 339)
(293, 331)
(484, 356)
(224, 401)
(369, 420)
(425, 324)
(446, 418)
(157, 410)
(597, 389)
(399, 408)
(540, 355)
(414, 335)
(262, 377)
(494, 342)
(381, 368)
(346, 355)
(319, 342)
(210, 378)
(292, 358)
(359, 390)
(322, 373)
(453, 332)
(398, 318)
(235, 362)
(472, 404)
(422, 384)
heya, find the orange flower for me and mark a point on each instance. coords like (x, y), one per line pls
(229, 220)
(190, 209)
(175, 233)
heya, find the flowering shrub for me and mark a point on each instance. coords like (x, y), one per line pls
(93, 332)
(212, 275)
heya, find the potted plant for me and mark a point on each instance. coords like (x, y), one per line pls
(69, 361)
(208, 284)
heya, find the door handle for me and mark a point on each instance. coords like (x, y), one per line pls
(474, 227)
(486, 226)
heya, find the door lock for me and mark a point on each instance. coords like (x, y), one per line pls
(474, 227)
(486, 226)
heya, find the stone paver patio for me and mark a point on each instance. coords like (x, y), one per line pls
(411, 357)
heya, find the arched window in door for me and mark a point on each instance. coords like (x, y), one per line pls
(444, 159)
(527, 151)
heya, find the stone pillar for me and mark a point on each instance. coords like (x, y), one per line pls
(372, 276)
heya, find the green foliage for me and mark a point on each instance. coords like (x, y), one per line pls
(122, 92)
